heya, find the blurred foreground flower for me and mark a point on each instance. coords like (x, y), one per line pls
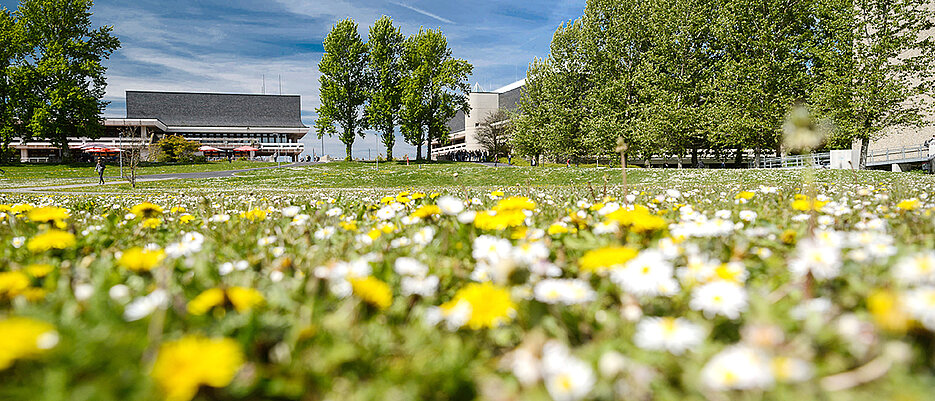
(22, 337)
(182, 366)
(373, 291)
(478, 305)
(140, 260)
(52, 239)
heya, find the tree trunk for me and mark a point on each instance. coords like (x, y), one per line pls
(694, 157)
(864, 146)
(348, 149)
(389, 146)
(738, 158)
(756, 157)
(419, 152)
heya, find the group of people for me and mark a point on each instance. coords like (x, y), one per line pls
(469, 156)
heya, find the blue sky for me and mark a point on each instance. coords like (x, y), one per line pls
(229, 45)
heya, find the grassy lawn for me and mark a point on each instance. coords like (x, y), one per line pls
(398, 176)
(23, 175)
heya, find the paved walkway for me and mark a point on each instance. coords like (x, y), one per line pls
(114, 180)
(491, 164)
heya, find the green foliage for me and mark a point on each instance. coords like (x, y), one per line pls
(385, 71)
(343, 84)
(60, 74)
(673, 76)
(176, 149)
(879, 81)
(434, 89)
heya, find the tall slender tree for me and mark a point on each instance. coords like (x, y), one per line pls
(385, 71)
(434, 89)
(63, 71)
(886, 80)
(10, 52)
(343, 84)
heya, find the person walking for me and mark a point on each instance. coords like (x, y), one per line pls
(100, 169)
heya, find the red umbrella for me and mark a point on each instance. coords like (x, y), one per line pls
(245, 149)
(207, 148)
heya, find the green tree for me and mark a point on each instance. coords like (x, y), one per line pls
(882, 82)
(343, 84)
(10, 53)
(176, 149)
(763, 70)
(434, 88)
(62, 73)
(385, 47)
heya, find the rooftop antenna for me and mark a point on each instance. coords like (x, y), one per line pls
(263, 87)
(477, 87)
(280, 84)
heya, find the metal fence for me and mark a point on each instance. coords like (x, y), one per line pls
(818, 160)
(901, 154)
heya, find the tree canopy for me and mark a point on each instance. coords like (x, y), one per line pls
(671, 77)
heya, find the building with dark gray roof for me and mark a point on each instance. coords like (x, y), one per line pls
(272, 124)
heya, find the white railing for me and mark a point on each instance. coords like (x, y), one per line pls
(900, 154)
(818, 160)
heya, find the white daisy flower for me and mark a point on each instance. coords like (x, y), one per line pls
(667, 333)
(563, 291)
(738, 367)
(566, 378)
(916, 269)
(817, 256)
(406, 266)
(719, 298)
(425, 287)
(450, 206)
(648, 274)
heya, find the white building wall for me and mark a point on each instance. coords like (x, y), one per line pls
(482, 105)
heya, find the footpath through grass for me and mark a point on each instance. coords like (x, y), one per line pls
(30, 175)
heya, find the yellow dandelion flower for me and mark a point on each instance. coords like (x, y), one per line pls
(603, 259)
(497, 193)
(151, 222)
(146, 210)
(372, 291)
(490, 305)
(349, 225)
(177, 209)
(254, 215)
(182, 366)
(418, 195)
(745, 195)
(39, 270)
(244, 298)
(639, 220)
(49, 214)
(804, 203)
(52, 239)
(186, 218)
(427, 211)
(21, 208)
(13, 284)
(388, 199)
(515, 203)
(909, 204)
(557, 228)
(206, 301)
(497, 221)
(888, 311)
(24, 338)
(139, 260)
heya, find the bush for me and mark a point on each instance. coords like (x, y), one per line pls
(176, 149)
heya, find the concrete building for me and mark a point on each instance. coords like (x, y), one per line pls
(464, 126)
(270, 123)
